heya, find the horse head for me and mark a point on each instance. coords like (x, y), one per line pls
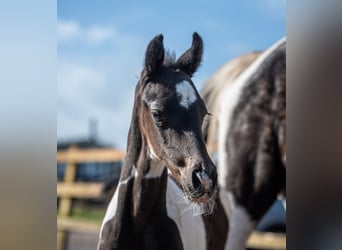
(171, 116)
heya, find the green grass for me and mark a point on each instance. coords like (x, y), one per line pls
(93, 214)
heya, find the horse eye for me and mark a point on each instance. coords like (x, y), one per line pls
(158, 116)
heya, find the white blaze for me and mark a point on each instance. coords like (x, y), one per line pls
(187, 93)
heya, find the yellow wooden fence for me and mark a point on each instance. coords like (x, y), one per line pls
(69, 189)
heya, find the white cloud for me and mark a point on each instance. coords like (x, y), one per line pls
(71, 30)
(95, 91)
(98, 34)
(77, 81)
(67, 30)
(82, 94)
(99, 86)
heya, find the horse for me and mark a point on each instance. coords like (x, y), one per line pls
(248, 98)
(167, 196)
(212, 92)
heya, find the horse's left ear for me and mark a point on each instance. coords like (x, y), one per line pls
(191, 58)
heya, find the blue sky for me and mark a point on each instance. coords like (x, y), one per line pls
(101, 46)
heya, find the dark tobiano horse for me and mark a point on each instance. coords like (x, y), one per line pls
(248, 98)
(167, 174)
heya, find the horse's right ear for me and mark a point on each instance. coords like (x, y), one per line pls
(154, 55)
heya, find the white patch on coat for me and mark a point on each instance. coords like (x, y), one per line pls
(113, 205)
(187, 94)
(228, 202)
(191, 228)
(240, 228)
(228, 102)
(153, 155)
(156, 169)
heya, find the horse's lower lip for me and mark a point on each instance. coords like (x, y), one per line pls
(204, 198)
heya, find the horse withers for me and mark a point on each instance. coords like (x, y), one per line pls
(167, 177)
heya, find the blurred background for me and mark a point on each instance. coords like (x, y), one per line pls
(101, 47)
(29, 65)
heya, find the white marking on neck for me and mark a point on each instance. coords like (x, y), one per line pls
(113, 205)
(179, 210)
(187, 93)
(240, 227)
(153, 155)
(156, 169)
(227, 200)
(229, 100)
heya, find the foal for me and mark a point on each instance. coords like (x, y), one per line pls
(166, 161)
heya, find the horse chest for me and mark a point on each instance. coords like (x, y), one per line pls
(191, 228)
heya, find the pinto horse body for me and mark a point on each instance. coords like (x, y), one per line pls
(249, 122)
(214, 90)
(167, 173)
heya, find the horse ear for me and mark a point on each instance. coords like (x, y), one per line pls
(154, 54)
(191, 58)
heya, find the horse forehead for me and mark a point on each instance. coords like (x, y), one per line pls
(186, 92)
(182, 91)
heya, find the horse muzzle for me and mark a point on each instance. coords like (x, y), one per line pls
(202, 187)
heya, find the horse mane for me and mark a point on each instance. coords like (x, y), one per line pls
(134, 140)
(213, 91)
(169, 59)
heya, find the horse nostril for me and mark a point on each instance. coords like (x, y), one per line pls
(196, 179)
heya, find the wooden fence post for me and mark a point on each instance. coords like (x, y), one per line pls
(68, 189)
(65, 205)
